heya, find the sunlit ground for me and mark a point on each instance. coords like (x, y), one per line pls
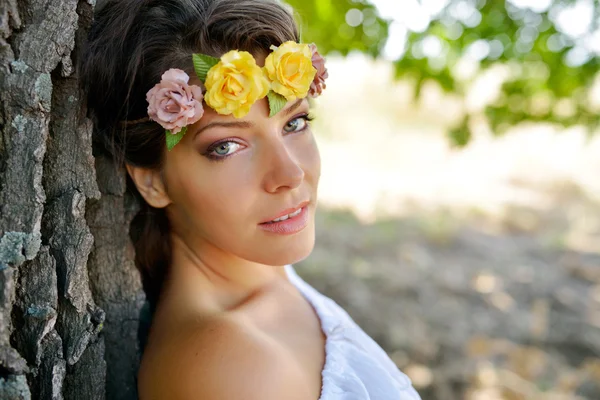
(385, 155)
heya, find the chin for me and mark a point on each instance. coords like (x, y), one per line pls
(292, 252)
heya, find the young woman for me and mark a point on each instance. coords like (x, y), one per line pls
(205, 103)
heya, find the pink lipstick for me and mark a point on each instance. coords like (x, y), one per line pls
(290, 226)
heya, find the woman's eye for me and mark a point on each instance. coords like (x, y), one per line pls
(296, 125)
(224, 149)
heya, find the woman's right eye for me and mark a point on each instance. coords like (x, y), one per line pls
(221, 151)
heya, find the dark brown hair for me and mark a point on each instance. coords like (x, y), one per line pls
(130, 45)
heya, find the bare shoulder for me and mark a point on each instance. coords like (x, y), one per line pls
(220, 359)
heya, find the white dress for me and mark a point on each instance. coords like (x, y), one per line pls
(356, 367)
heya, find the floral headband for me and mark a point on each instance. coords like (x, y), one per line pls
(233, 84)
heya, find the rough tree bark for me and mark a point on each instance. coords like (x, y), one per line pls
(70, 297)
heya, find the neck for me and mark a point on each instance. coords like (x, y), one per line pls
(207, 278)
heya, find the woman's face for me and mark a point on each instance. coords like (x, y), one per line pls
(229, 176)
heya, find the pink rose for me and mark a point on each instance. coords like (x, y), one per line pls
(318, 84)
(173, 103)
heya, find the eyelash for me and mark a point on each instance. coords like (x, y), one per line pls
(307, 117)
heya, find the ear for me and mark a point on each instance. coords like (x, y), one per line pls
(150, 185)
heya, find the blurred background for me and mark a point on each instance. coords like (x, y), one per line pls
(459, 217)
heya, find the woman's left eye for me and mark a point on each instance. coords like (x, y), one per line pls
(297, 124)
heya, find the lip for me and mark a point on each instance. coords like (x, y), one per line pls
(286, 212)
(290, 226)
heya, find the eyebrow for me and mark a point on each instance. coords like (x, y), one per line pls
(234, 124)
(245, 124)
(294, 106)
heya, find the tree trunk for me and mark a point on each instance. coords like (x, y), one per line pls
(70, 297)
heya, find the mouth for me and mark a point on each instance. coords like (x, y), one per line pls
(288, 224)
(289, 213)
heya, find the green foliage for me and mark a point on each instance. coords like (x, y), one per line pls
(460, 136)
(546, 81)
(203, 64)
(276, 102)
(324, 22)
(173, 139)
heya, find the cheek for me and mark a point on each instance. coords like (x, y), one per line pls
(212, 196)
(307, 153)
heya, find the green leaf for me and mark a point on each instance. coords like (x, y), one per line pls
(172, 139)
(276, 102)
(460, 137)
(202, 64)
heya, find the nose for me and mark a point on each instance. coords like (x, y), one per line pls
(284, 171)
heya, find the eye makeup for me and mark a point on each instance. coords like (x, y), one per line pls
(212, 152)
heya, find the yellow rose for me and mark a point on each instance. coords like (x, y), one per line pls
(290, 70)
(235, 84)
